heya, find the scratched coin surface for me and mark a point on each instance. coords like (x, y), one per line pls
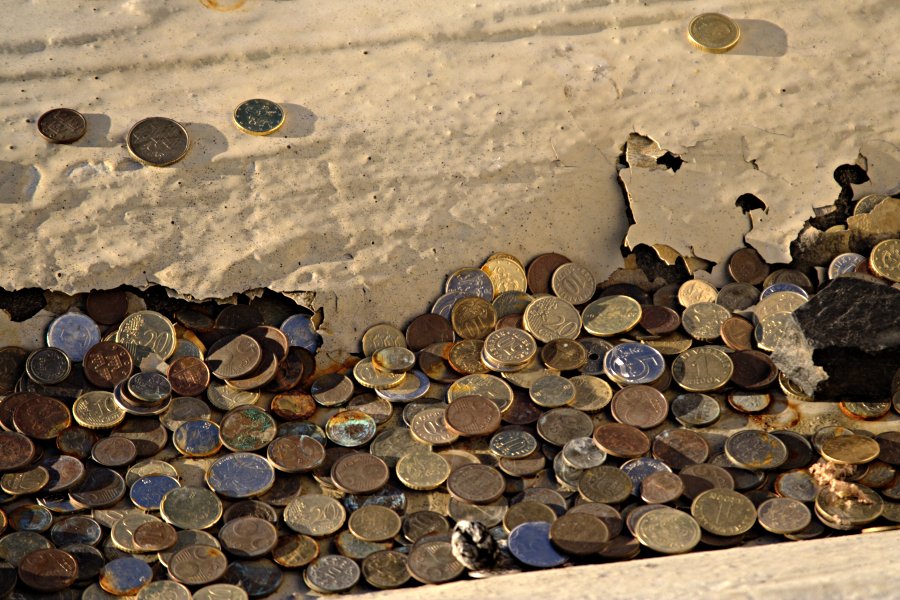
(755, 450)
(724, 512)
(157, 141)
(422, 470)
(61, 125)
(48, 570)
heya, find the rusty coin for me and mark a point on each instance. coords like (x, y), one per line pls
(247, 429)
(295, 453)
(293, 406)
(12, 366)
(679, 448)
(48, 570)
(16, 451)
(42, 418)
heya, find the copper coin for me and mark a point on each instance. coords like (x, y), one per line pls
(679, 448)
(65, 473)
(293, 406)
(114, 452)
(753, 370)
(564, 355)
(661, 487)
(107, 307)
(10, 404)
(155, 536)
(42, 418)
(472, 318)
(106, 364)
(737, 333)
(476, 484)
(76, 441)
(473, 416)
(16, 451)
(197, 565)
(428, 329)
(432, 561)
(659, 320)
(48, 570)
(189, 376)
(295, 453)
(580, 534)
(747, 266)
(642, 406)
(234, 356)
(12, 366)
(359, 473)
(540, 271)
(624, 441)
(298, 366)
(248, 537)
(61, 125)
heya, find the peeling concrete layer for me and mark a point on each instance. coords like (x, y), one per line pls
(420, 138)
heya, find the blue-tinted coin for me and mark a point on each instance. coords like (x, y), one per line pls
(240, 475)
(197, 438)
(639, 469)
(125, 576)
(783, 287)
(74, 334)
(301, 332)
(530, 544)
(414, 385)
(471, 282)
(633, 363)
(444, 305)
(147, 492)
(150, 387)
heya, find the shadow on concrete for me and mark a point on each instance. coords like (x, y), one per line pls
(96, 134)
(299, 121)
(760, 38)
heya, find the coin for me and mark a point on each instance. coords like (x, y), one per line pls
(530, 544)
(668, 531)
(702, 369)
(350, 428)
(154, 536)
(695, 290)
(114, 452)
(246, 429)
(48, 570)
(432, 561)
(386, 569)
(25, 482)
(294, 551)
(477, 484)
(258, 116)
(679, 448)
(592, 394)
(164, 590)
(61, 125)
(631, 364)
(747, 266)
(661, 487)
(559, 425)
(146, 332)
(723, 512)
(604, 484)
(755, 450)
(147, 492)
(784, 515)
(374, 523)
(220, 591)
(549, 318)
(712, 32)
(368, 375)
(106, 364)
(359, 473)
(428, 329)
(748, 402)
(48, 366)
(189, 376)
(473, 416)
(573, 283)
(76, 530)
(703, 320)
(885, 259)
(314, 515)
(240, 475)
(157, 141)
(552, 391)
(42, 418)
(851, 450)
(640, 406)
(73, 333)
(465, 357)
(197, 565)
(331, 574)
(248, 537)
(695, 410)
(382, 336)
(737, 296)
(659, 320)
(293, 406)
(513, 443)
(621, 440)
(611, 315)
(395, 359)
(525, 512)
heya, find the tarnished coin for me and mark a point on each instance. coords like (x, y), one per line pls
(16, 451)
(488, 386)
(42, 418)
(430, 427)
(331, 574)
(188, 376)
(582, 453)
(604, 484)
(147, 332)
(197, 565)
(258, 116)
(552, 391)
(611, 315)
(865, 410)
(756, 450)
(149, 387)
(703, 320)
(839, 511)
(48, 570)
(559, 425)
(125, 576)
(373, 523)
(154, 536)
(106, 364)
(30, 481)
(668, 531)
(477, 484)
(359, 473)
(580, 534)
(512, 443)
(679, 448)
(157, 141)
(147, 492)
(164, 590)
(661, 487)
(621, 440)
(350, 428)
(784, 515)
(641, 406)
(61, 125)
(428, 329)
(240, 475)
(74, 334)
(15, 546)
(592, 394)
(386, 569)
(473, 318)
(294, 551)
(530, 544)
(422, 470)
(76, 530)
(753, 370)
(30, 517)
(295, 453)
(712, 32)
(471, 282)
(702, 369)
(747, 266)
(293, 406)
(248, 537)
(695, 410)
(659, 320)
(247, 429)
(197, 438)
(473, 416)
(260, 577)
(851, 449)
(724, 512)
(549, 318)
(332, 389)
(48, 366)
(773, 329)
(564, 355)
(749, 402)
(885, 259)
(234, 357)
(432, 561)
(314, 515)
(395, 359)
(114, 452)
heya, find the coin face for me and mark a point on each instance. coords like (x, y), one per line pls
(240, 475)
(258, 116)
(631, 364)
(550, 318)
(61, 125)
(197, 565)
(314, 515)
(611, 315)
(885, 259)
(48, 570)
(712, 32)
(573, 283)
(433, 562)
(74, 334)
(668, 531)
(756, 450)
(157, 141)
(146, 332)
(386, 569)
(530, 544)
(702, 369)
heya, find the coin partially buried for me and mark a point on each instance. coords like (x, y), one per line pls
(61, 125)
(157, 141)
(258, 116)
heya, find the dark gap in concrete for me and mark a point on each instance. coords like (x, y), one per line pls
(846, 176)
(22, 304)
(654, 267)
(670, 161)
(622, 163)
(748, 202)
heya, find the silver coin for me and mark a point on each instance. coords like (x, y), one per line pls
(301, 332)
(332, 573)
(74, 334)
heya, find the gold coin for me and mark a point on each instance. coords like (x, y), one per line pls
(473, 318)
(772, 330)
(506, 274)
(703, 320)
(668, 531)
(725, 512)
(97, 410)
(225, 397)
(368, 376)
(258, 116)
(314, 515)
(552, 391)
(509, 348)
(373, 523)
(702, 369)
(465, 357)
(422, 470)
(850, 450)
(592, 394)
(549, 318)
(397, 359)
(489, 386)
(25, 482)
(885, 259)
(147, 332)
(382, 336)
(573, 283)
(712, 32)
(430, 427)
(611, 315)
(693, 291)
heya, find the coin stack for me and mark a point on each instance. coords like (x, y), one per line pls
(158, 449)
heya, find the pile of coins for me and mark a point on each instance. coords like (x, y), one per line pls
(197, 451)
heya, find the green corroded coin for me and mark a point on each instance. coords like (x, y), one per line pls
(240, 475)
(258, 116)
